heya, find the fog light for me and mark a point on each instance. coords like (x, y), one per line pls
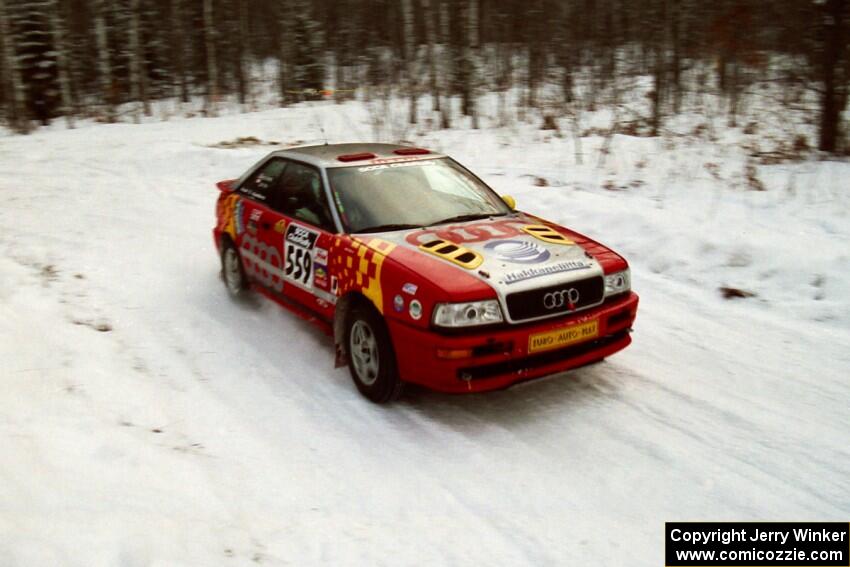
(454, 353)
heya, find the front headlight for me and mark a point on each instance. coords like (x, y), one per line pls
(618, 282)
(467, 314)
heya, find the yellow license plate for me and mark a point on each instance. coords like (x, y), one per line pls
(563, 336)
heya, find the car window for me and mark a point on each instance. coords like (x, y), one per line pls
(261, 184)
(300, 195)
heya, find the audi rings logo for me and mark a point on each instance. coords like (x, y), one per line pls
(560, 298)
(518, 252)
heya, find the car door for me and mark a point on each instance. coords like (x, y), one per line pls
(309, 230)
(260, 226)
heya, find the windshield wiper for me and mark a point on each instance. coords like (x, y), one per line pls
(387, 227)
(468, 217)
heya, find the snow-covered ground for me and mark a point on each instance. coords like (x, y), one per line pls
(146, 420)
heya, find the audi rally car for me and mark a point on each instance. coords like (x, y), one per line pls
(419, 270)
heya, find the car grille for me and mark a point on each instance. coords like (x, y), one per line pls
(555, 300)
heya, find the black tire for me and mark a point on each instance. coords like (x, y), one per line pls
(375, 372)
(233, 275)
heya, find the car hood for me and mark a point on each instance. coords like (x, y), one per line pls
(510, 254)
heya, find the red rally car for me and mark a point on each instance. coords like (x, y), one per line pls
(419, 270)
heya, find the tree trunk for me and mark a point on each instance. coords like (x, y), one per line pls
(104, 66)
(470, 61)
(676, 63)
(284, 54)
(409, 45)
(18, 118)
(241, 74)
(60, 46)
(430, 55)
(212, 62)
(447, 60)
(178, 42)
(659, 69)
(834, 88)
(138, 72)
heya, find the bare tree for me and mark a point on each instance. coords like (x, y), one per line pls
(240, 64)
(447, 61)
(284, 18)
(833, 73)
(212, 62)
(409, 43)
(659, 71)
(178, 44)
(470, 61)
(104, 66)
(60, 47)
(138, 70)
(430, 56)
(18, 115)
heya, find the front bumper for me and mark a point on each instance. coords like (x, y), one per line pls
(500, 357)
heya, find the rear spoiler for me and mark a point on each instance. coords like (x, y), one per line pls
(226, 186)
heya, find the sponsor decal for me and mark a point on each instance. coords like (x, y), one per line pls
(410, 288)
(474, 232)
(398, 303)
(402, 158)
(298, 245)
(563, 337)
(320, 276)
(415, 310)
(320, 256)
(407, 163)
(252, 220)
(280, 226)
(301, 236)
(560, 267)
(518, 252)
(262, 262)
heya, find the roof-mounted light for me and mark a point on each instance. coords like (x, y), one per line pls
(356, 157)
(411, 151)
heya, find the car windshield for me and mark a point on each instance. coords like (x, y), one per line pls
(371, 198)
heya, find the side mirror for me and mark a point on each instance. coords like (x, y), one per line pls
(509, 201)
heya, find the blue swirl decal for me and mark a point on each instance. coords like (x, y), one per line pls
(237, 216)
(518, 252)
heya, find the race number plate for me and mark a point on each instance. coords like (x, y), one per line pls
(300, 241)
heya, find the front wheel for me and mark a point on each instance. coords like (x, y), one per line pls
(371, 359)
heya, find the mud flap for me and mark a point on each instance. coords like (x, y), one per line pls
(340, 359)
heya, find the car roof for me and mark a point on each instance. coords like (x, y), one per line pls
(327, 155)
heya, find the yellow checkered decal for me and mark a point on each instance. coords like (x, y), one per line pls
(362, 270)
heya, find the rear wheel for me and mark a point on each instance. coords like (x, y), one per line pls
(371, 359)
(231, 269)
